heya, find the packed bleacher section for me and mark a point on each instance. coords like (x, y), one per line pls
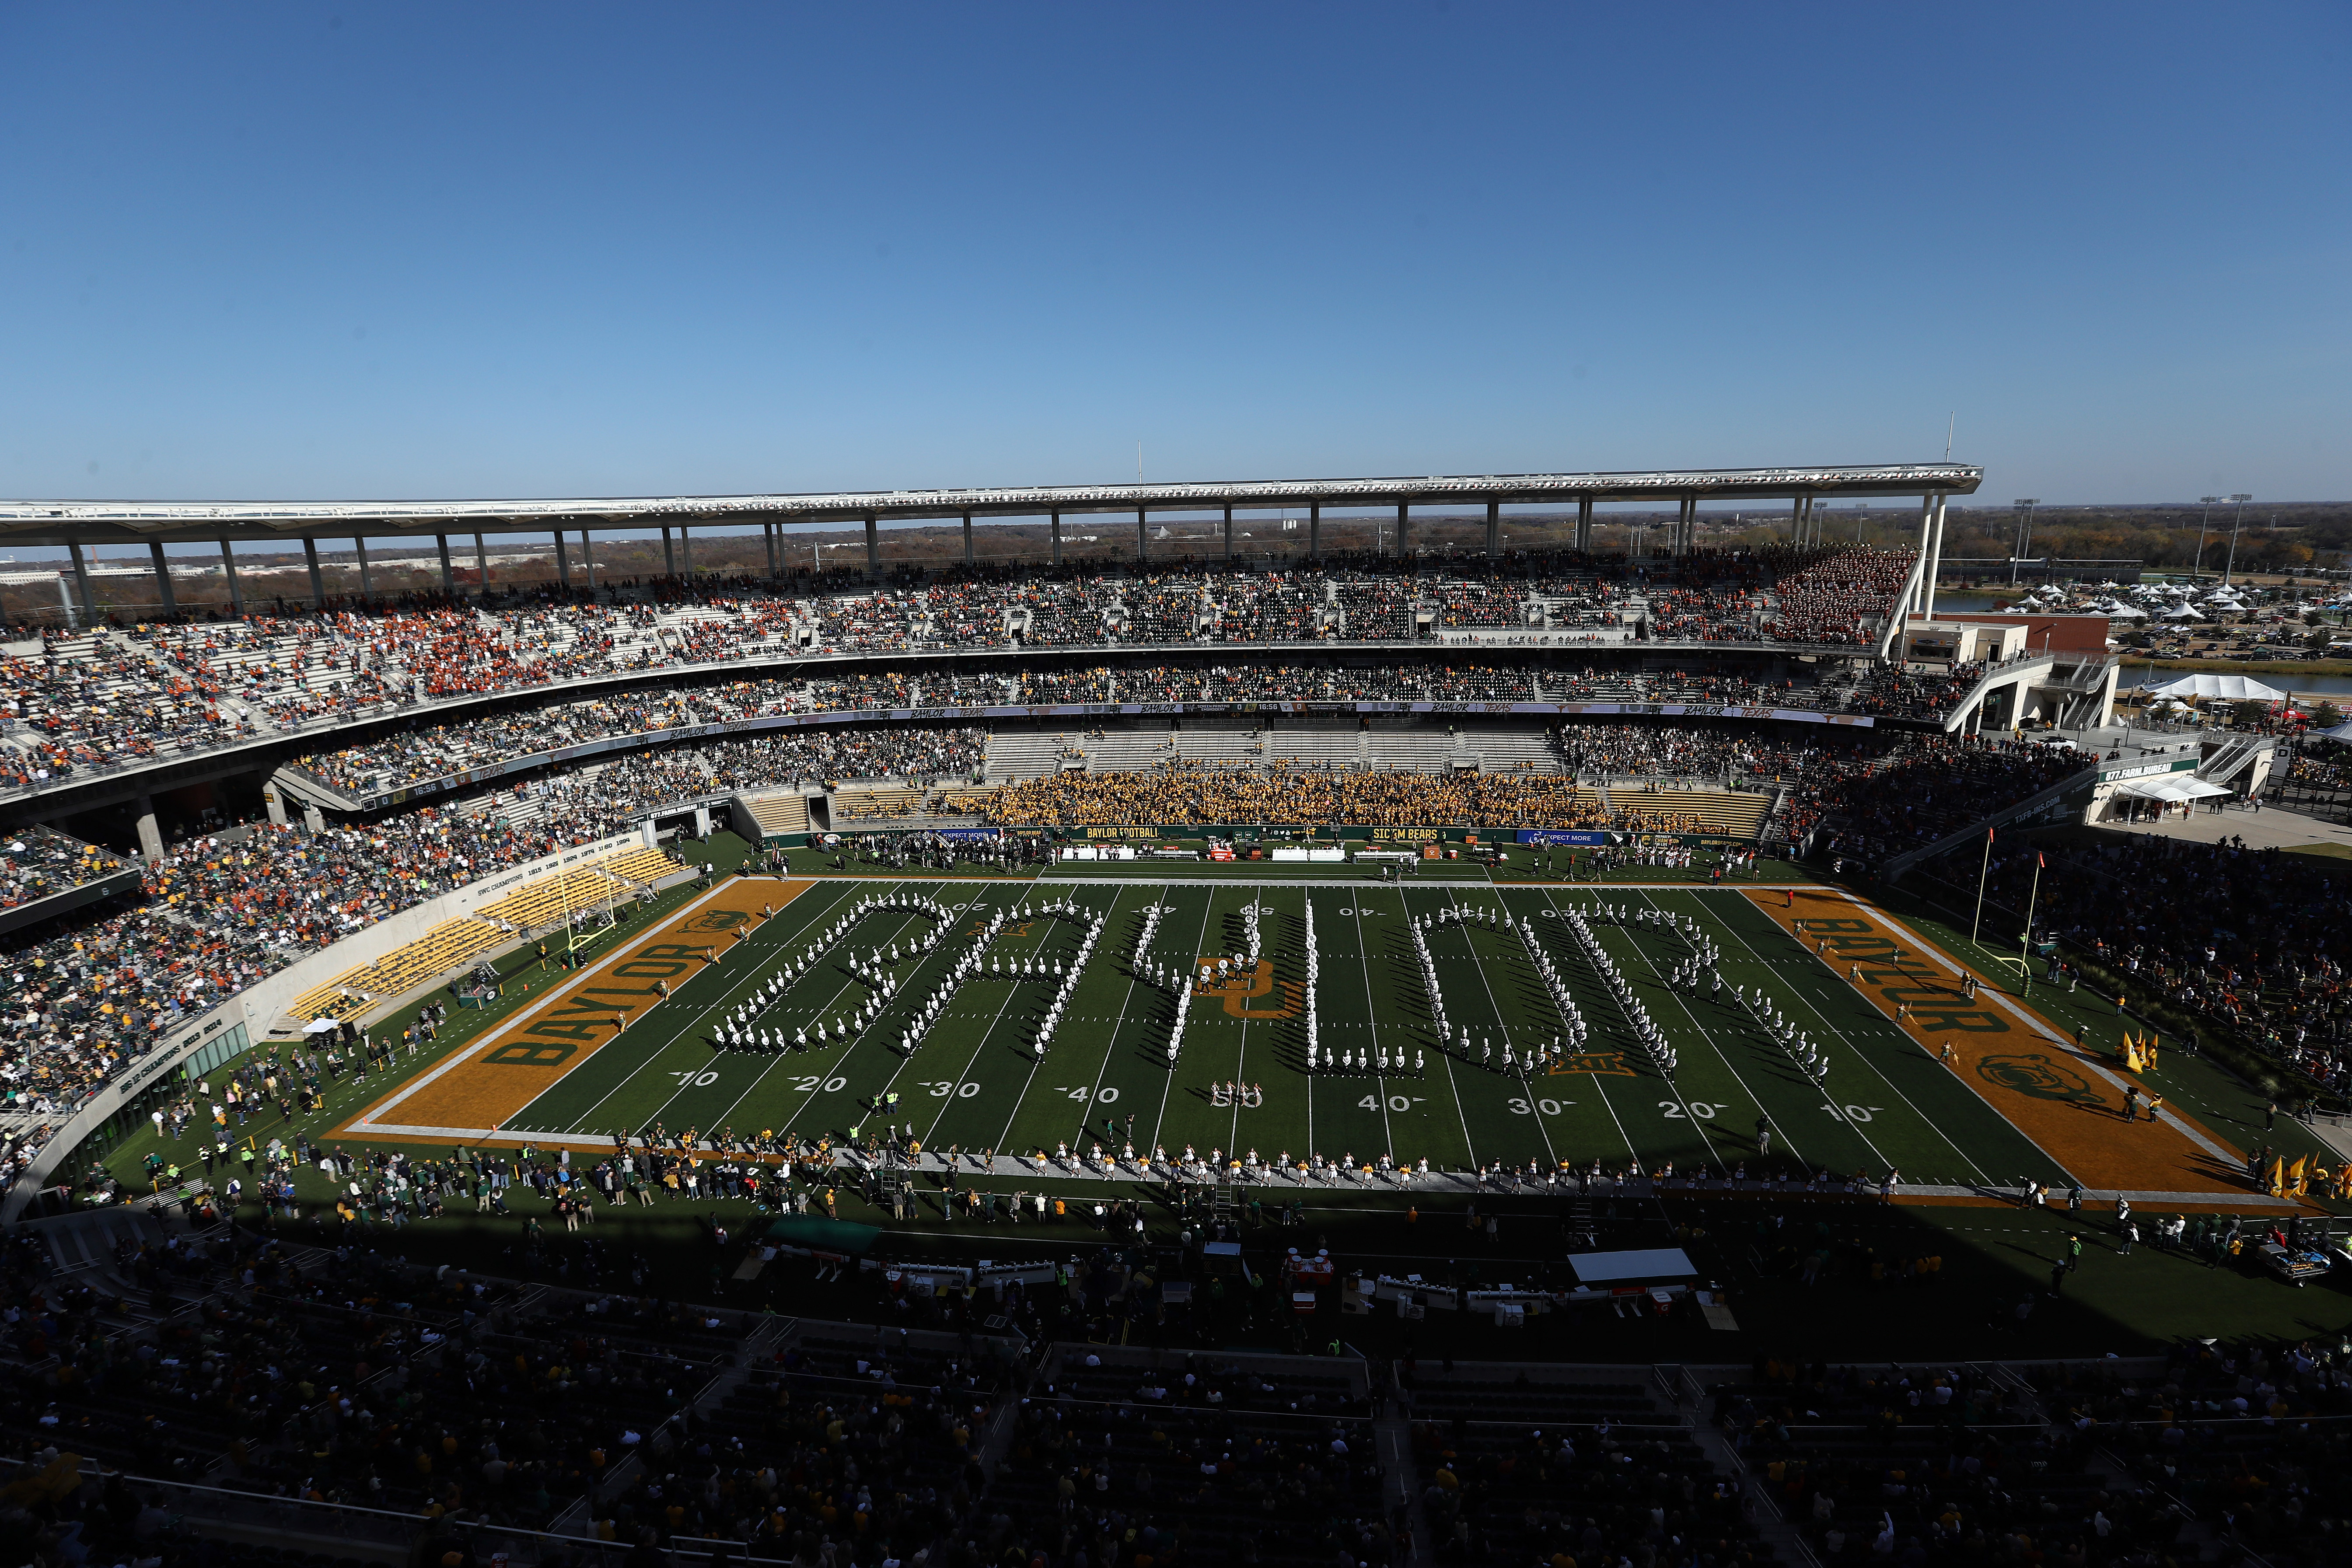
(82, 999)
(1519, 1470)
(1199, 1459)
(1930, 1466)
(1738, 754)
(416, 756)
(1837, 598)
(37, 863)
(423, 755)
(1208, 796)
(1893, 691)
(2250, 943)
(1868, 805)
(85, 701)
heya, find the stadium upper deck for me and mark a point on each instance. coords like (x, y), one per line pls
(90, 705)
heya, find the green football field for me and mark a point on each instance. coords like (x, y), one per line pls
(974, 1083)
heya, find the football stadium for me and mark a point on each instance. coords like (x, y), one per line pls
(1174, 786)
(1249, 1054)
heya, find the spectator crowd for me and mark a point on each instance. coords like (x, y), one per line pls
(116, 697)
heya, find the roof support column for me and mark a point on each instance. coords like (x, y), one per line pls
(448, 577)
(481, 567)
(1315, 531)
(562, 564)
(1584, 525)
(670, 555)
(162, 575)
(310, 559)
(685, 550)
(967, 539)
(1229, 533)
(1494, 528)
(588, 559)
(1935, 561)
(1918, 605)
(367, 580)
(229, 570)
(1142, 541)
(1797, 522)
(1404, 524)
(768, 543)
(1688, 530)
(873, 546)
(81, 582)
(1057, 539)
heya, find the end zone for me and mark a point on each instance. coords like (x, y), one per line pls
(471, 1096)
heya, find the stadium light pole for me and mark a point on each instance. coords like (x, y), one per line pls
(2024, 505)
(2239, 517)
(2208, 503)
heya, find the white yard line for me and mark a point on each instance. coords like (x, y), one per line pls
(369, 1121)
(1371, 1014)
(1191, 974)
(1038, 1065)
(1800, 998)
(1599, 1088)
(1551, 1155)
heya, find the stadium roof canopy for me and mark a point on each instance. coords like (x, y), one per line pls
(55, 522)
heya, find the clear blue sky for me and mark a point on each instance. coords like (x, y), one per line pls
(516, 249)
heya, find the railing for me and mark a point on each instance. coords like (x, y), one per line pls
(1994, 674)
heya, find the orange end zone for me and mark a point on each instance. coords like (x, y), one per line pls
(478, 1088)
(2068, 1101)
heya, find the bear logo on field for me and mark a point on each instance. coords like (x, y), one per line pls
(2030, 1072)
